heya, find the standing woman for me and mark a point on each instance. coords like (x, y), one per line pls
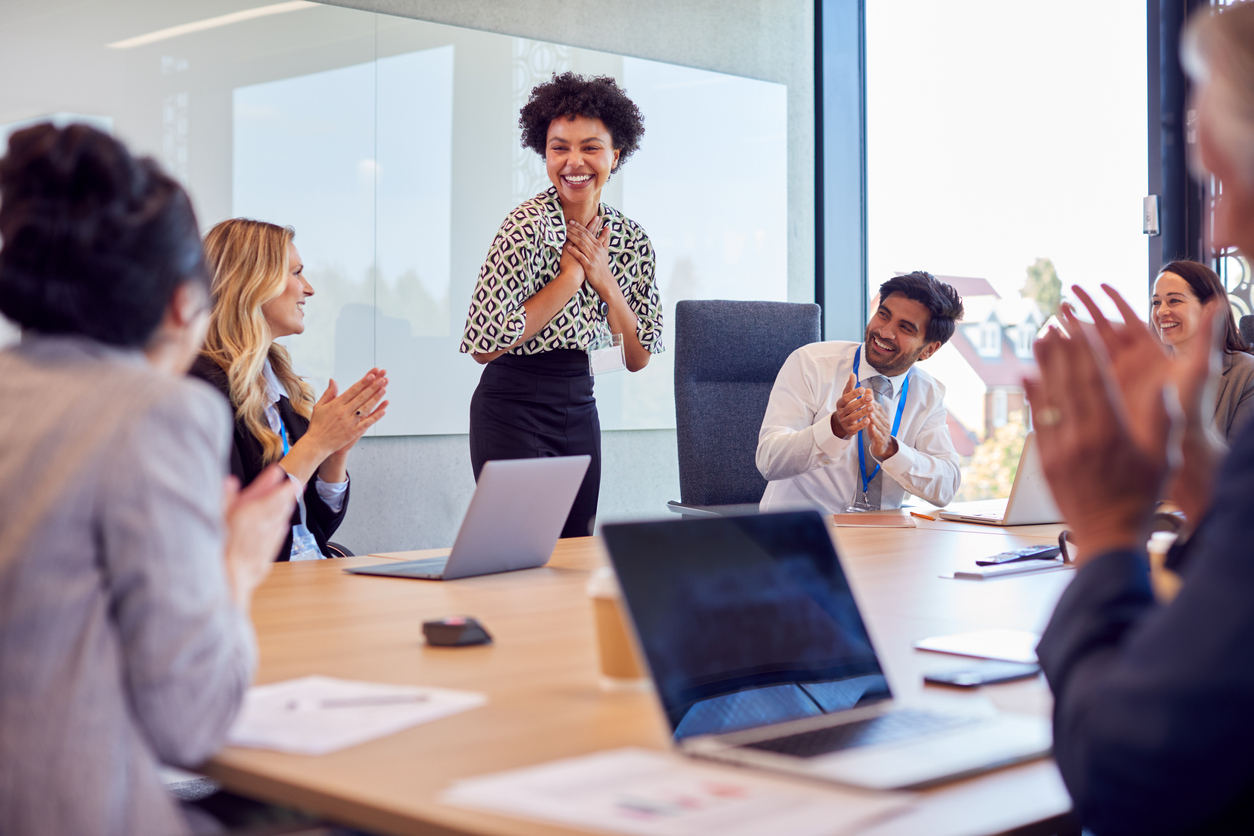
(1182, 291)
(259, 293)
(564, 273)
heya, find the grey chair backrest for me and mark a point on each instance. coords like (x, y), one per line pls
(727, 355)
(1247, 329)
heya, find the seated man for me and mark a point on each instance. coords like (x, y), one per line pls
(856, 422)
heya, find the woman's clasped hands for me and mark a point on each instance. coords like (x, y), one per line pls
(589, 246)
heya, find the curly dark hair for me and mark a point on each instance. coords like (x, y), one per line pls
(943, 303)
(95, 241)
(570, 95)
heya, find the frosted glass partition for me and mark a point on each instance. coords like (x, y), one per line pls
(392, 147)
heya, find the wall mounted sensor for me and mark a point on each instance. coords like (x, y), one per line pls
(1149, 215)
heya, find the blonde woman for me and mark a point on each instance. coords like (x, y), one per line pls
(259, 295)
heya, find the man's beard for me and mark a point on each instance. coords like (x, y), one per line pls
(897, 363)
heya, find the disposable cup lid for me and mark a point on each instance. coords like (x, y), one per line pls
(603, 584)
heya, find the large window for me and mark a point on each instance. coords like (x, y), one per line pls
(1006, 150)
(391, 145)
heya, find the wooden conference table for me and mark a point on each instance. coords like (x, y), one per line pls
(541, 678)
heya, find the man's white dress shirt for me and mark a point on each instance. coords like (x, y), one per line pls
(806, 463)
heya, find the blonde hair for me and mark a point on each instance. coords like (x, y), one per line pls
(249, 265)
(1218, 50)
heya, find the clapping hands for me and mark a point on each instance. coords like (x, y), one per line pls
(856, 410)
(1111, 409)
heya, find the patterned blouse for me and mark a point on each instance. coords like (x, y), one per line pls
(525, 257)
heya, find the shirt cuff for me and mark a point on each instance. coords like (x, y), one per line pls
(830, 445)
(900, 463)
(332, 493)
(649, 334)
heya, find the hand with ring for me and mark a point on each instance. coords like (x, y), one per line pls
(1105, 441)
(1047, 417)
(338, 422)
(1146, 373)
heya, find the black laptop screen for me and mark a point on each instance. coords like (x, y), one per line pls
(744, 621)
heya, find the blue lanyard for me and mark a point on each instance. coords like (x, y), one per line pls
(287, 447)
(901, 407)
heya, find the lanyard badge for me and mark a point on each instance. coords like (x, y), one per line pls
(860, 502)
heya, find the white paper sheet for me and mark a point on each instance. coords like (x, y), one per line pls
(968, 570)
(1001, 644)
(314, 715)
(648, 793)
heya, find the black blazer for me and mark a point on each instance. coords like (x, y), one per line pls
(1152, 703)
(246, 460)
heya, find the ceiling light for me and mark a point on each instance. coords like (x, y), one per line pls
(211, 23)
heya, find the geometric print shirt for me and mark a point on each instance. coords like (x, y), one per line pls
(525, 256)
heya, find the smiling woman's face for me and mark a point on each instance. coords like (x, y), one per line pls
(285, 314)
(1175, 309)
(579, 156)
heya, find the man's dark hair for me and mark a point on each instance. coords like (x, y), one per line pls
(569, 95)
(943, 303)
(95, 240)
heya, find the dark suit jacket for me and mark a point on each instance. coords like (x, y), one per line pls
(246, 460)
(1154, 706)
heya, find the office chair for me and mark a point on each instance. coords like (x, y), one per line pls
(336, 550)
(727, 355)
(1246, 326)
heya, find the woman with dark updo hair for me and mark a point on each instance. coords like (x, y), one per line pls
(126, 570)
(565, 275)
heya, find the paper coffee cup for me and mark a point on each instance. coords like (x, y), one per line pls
(620, 668)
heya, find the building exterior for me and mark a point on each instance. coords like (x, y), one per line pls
(984, 364)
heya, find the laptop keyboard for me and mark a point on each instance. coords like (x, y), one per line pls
(886, 728)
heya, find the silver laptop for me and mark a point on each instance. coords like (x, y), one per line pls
(1031, 501)
(514, 519)
(760, 658)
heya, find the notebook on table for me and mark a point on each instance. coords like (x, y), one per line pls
(760, 657)
(513, 522)
(1031, 501)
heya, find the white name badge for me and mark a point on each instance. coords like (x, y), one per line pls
(607, 355)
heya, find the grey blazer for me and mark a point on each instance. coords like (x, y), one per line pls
(120, 646)
(1234, 404)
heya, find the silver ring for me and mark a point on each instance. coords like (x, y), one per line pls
(1049, 417)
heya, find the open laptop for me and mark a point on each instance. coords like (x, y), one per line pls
(760, 658)
(1031, 501)
(514, 519)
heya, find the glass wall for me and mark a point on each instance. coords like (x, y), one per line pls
(1006, 150)
(391, 146)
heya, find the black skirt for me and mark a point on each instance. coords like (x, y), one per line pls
(530, 406)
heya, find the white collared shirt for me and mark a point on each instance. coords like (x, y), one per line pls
(332, 493)
(806, 463)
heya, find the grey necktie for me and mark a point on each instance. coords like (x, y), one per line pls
(882, 388)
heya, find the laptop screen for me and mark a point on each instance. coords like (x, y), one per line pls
(744, 621)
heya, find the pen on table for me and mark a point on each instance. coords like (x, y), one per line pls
(357, 702)
(922, 516)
